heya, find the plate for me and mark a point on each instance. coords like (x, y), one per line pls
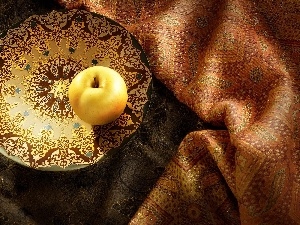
(38, 60)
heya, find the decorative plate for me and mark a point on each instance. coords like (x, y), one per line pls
(38, 60)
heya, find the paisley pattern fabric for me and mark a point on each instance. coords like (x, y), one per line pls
(236, 64)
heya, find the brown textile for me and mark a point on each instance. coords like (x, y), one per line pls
(236, 64)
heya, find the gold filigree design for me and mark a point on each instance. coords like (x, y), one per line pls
(60, 89)
(39, 60)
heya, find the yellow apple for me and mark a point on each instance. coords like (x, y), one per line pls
(98, 95)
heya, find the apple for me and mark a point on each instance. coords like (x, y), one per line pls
(98, 95)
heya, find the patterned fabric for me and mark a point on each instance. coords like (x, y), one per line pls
(236, 64)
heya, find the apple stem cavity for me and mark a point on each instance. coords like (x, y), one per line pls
(96, 83)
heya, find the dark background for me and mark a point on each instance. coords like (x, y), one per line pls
(108, 192)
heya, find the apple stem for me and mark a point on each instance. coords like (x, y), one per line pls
(96, 83)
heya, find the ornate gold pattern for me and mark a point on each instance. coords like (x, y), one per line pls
(38, 61)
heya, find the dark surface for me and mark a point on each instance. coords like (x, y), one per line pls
(109, 192)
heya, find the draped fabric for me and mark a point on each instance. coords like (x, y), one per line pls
(236, 64)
